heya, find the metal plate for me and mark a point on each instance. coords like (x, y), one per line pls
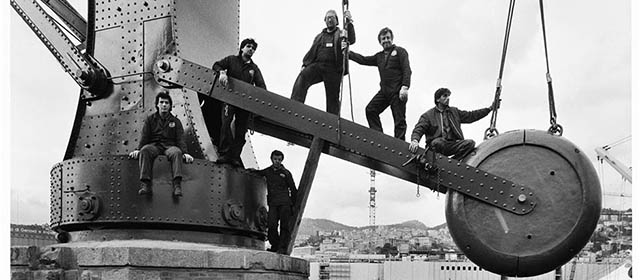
(56, 194)
(206, 31)
(110, 14)
(569, 202)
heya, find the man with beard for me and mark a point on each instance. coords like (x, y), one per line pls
(395, 80)
(241, 67)
(441, 127)
(324, 62)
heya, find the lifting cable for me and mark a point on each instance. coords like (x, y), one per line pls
(492, 131)
(555, 128)
(345, 58)
(345, 61)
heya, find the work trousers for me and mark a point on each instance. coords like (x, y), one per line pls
(458, 148)
(313, 74)
(150, 152)
(379, 103)
(283, 214)
(232, 140)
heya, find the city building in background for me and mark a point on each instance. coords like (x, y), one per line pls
(32, 235)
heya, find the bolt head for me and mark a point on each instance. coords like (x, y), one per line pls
(522, 198)
(163, 65)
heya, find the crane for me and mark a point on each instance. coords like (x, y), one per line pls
(372, 198)
(604, 155)
(133, 52)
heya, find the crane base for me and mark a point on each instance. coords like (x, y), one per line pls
(151, 259)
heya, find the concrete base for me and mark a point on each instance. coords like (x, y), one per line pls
(151, 260)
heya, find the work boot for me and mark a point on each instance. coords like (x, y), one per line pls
(145, 188)
(177, 189)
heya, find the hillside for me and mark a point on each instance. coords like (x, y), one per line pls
(311, 226)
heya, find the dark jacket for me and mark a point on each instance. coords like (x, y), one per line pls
(312, 54)
(167, 131)
(430, 123)
(394, 68)
(281, 190)
(238, 69)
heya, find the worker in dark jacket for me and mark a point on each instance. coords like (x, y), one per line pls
(395, 80)
(162, 133)
(324, 62)
(281, 196)
(441, 127)
(241, 67)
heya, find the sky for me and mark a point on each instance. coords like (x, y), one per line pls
(453, 44)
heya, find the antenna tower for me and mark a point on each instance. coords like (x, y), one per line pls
(372, 198)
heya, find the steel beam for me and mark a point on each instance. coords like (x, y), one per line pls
(310, 167)
(351, 141)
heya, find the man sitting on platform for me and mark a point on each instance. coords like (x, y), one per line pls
(162, 133)
(441, 127)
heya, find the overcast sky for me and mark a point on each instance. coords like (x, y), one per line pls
(453, 44)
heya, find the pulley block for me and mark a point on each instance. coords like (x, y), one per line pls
(569, 203)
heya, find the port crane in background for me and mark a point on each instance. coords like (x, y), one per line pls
(621, 168)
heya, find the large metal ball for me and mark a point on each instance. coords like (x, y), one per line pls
(560, 225)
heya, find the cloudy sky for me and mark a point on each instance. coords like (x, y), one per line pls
(454, 44)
